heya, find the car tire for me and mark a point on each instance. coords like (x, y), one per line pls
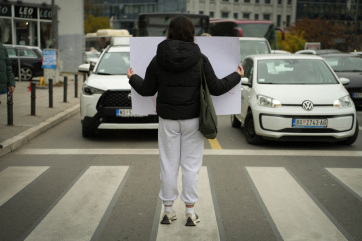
(350, 140)
(249, 131)
(88, 132)
(235, 122)
(26, 73)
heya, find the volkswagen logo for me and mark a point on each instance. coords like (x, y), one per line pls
(307, 105)
(129, 96)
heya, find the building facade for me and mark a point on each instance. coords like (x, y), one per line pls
(281, 12)
(33, 23)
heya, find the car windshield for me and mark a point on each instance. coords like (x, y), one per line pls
(114, 63)
(294, 71)
(345, 63)
(249, 47)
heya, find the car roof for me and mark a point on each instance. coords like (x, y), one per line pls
(341, 55)
(252, 39)
(21, 46)
(119, 49)
(283, 56)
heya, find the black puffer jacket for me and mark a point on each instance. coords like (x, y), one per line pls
(175, 74)
(6, 74)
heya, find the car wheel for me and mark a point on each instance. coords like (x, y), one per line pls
(249, 131)
(88, 132)
(26, 73)
(350, 140)
(235, 122)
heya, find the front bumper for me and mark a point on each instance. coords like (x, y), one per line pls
(100, 112)
(277, 123)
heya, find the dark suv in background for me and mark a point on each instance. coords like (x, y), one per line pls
(31, 61)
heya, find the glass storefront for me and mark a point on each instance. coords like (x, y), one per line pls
(6, 32)
(23, 24)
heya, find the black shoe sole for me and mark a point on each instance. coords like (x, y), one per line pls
(165, 220)
(190, 222)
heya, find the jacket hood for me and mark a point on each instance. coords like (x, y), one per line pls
(177, 55)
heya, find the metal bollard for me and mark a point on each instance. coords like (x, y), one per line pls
(76, 86)
(33, 97)
(65, 88)
(10, 109)
(50, 93)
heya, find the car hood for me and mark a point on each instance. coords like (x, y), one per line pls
(108, 82)
(354, 77)
(296, 94)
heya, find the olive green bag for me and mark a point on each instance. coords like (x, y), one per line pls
(208, 118)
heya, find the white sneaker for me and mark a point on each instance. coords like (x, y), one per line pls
(191, 219)
(168, 217)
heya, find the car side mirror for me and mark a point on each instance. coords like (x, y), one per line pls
(344, 81)
(84, 68)
(245, 81)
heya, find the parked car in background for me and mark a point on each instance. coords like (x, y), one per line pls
(250, 46)
(105, 101)
(31, 61)
(294, 97)
(348, 66)
(318, 52)
(91, 57)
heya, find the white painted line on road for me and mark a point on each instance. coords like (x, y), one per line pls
(14, 179)
(295, 214)
(207, 152)
(351, 177)
(206, 229)
(77, 215)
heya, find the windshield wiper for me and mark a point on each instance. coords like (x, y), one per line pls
(104, 73)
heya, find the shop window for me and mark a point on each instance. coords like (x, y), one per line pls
(5, 31)
(26, 33)
(46, 40)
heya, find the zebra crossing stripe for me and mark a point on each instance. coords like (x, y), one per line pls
(206, 229)
(14, 179)
(77, 215)
(350, 177)
(294, 213)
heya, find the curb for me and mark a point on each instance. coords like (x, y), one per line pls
(24, 137)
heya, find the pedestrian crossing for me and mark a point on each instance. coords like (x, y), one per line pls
(81, 212)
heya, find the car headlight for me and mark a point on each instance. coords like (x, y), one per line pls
(343, 102)
(87, 90)
(266, 101)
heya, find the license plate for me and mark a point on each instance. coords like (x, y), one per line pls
(126, 113)
(357, 95)
(310, 123)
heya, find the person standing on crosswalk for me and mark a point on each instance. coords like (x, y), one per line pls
(174, 74)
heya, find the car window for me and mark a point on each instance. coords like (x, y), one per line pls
(26, 53)
(248, 69)
(345, 63)
(11, 52)
(249, 47)
(294, 71)
(115, 63)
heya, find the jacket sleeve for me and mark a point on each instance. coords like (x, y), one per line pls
(219, 86)
(9, 70)
(147, 86)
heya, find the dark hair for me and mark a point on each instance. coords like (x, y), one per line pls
(181, 28)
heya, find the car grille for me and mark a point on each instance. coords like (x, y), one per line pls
(120, 99)
(120, 120)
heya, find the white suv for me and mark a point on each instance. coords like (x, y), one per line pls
(251, 46)
(105, 102)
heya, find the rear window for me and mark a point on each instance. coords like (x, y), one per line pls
(11, 52)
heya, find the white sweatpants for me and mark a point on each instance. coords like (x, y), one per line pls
(180, 144)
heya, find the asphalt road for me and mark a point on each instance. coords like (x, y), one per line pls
(61, 186)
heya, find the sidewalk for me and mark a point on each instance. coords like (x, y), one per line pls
(26, 126)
